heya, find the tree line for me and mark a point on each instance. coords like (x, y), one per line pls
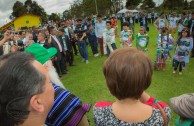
(81, 8)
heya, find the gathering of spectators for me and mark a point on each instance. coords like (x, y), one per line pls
(39, 57)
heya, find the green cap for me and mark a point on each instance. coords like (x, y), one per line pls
(40, 53)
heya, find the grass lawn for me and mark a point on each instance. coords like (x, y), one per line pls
(88, 83)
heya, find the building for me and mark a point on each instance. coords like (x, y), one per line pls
(26, 20)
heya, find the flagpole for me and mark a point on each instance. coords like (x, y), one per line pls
(96, 7)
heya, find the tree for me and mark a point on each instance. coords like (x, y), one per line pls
(29, 6)
(132, 4)
(18, 9)
(87, 7)
(186, 4)
(173, 4)
(191, 4)
(54, 17)
(148, 4)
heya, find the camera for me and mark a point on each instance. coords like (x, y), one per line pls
(20, 45)
(79, 30)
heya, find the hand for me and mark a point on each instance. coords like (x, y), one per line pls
(7, 35)
(84, 34)
(90, 28)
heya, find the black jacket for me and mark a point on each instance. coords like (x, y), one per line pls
(141, 21)
(128, 19)
(190, 25)
(54, 44)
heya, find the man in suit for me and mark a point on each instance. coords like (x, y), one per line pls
(123, 19)
(131, 22)
(34, 33)
(60, 56)
(143, 21)
(67, 46)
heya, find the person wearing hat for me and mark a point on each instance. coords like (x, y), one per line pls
(67, 109)
(160, 23)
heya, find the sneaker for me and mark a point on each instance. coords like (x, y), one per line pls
(174, 72)
(96, 55)
(180, 73)
(87, 61)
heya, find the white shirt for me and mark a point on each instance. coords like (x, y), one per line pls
(149, 15)
(161, 23)
(173, 22)
(99, 29)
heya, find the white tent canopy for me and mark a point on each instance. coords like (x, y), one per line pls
(123, 11)
(134, 11)
(127, 11)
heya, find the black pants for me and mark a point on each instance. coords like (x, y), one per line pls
(73, 41)
(58, 67)
(70, 57)
(152, 20)
(180, 66)
(60, 64)
(192, 51)
(63, 62)
(94, 45)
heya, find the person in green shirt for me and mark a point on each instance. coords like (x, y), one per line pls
(142, 40)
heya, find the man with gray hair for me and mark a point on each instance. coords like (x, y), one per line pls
(68, 109)
(43, 41)
(26, 95)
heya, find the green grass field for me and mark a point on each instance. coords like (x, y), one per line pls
(88, 83)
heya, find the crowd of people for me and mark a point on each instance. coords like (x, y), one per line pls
(33, 61)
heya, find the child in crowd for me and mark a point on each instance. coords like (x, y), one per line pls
(181, 56)
(164, 46)
(142, 40)
(126, 36)
(109, 39)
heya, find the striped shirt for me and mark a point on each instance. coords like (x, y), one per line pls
(67, 110)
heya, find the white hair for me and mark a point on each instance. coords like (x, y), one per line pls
(53, 74)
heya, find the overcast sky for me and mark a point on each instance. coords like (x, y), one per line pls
(50, 6)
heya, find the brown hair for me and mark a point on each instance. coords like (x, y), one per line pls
(128, 73)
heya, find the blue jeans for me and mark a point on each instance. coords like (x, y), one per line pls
(83, 50)
(94, 45)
